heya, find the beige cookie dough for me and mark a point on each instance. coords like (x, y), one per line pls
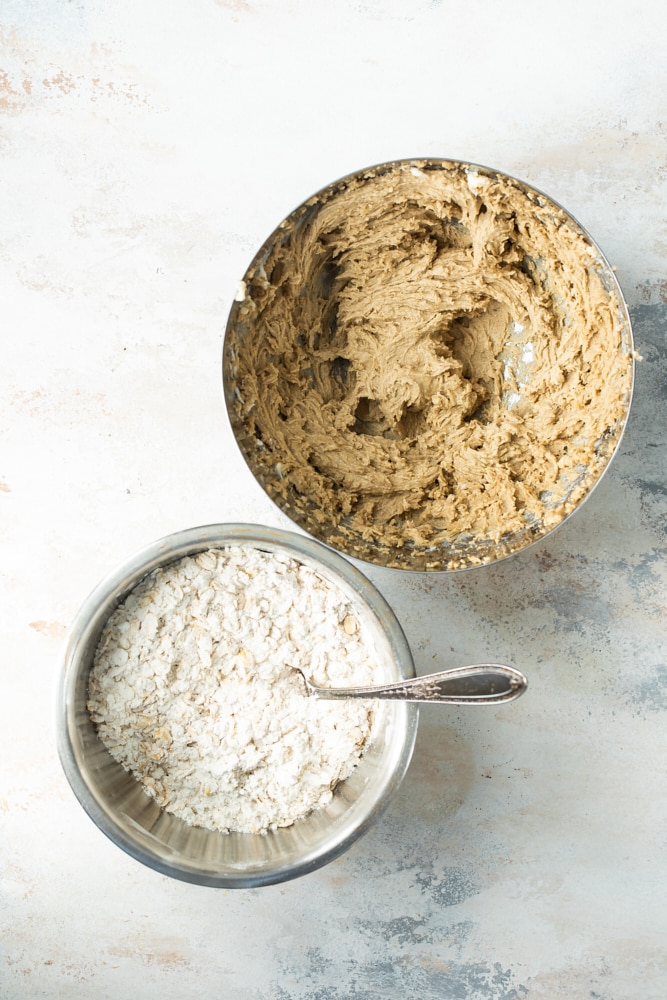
(428, 359)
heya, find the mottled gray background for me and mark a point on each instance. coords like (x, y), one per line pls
(146, 150)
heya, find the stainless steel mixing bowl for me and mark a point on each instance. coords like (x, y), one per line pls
(116, 802)
(268, 454)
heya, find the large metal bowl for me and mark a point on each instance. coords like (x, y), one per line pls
(121, 809)
(266, 444)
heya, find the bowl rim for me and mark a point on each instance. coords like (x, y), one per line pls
(434, 162)
(116, 585)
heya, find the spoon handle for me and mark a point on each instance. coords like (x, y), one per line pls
(482, 684)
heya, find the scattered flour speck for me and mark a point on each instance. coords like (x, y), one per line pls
(192, 688)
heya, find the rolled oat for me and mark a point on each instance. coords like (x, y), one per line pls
(193, 689)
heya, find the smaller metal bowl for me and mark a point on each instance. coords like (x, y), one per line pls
(121, 809)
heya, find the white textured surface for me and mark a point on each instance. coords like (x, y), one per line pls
(147, 149)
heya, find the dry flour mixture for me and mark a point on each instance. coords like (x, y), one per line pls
(192, 688)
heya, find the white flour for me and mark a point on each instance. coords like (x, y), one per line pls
(193, 691)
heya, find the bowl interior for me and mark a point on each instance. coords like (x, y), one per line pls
(122, 810)
(279, 451)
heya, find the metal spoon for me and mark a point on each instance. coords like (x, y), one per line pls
(480, 684)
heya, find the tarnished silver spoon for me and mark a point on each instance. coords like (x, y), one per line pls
(480, 684)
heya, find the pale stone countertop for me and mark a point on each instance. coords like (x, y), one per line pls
(146, 150)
